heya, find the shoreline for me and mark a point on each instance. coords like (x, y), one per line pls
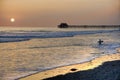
(62, 70)
(118, 51)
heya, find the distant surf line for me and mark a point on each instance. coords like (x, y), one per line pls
(17, 37)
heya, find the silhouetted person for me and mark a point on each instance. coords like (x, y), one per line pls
(100, 42)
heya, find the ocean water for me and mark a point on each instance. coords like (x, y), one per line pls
(22, 34)
(27, 50)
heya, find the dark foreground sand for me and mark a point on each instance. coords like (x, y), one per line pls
(103, 68)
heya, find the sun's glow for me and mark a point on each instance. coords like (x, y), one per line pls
(12, 20)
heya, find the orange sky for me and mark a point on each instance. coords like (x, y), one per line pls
(48, 13)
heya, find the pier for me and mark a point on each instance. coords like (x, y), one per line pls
(65, 25)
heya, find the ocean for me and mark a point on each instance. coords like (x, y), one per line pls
(24, 51)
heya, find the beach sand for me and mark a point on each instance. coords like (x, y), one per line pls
(102, 68)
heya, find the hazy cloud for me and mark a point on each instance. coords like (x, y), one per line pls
(52, 12)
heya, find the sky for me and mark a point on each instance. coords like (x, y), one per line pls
(50, 13)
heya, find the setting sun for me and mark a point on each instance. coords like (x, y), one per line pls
(12, 20)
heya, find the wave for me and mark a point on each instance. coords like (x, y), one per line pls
(14, 36)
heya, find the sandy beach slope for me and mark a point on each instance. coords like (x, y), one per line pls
(104, 68)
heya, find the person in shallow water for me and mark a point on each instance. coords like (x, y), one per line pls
(100, 42)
